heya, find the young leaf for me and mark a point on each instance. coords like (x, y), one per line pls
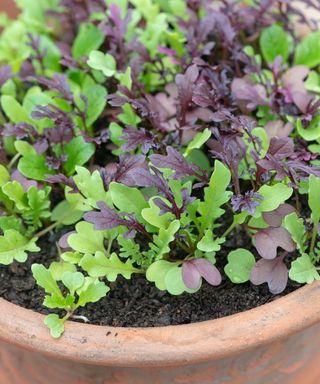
(269, 239)
(314, 198)
(308, 51)
(303, 271)
(215, 195)
(46, 281)
(160, 245)
(198, 141)
(127, 199)
(274, 41)
(194, 270)
(103, 62)
(78, 153)
(274, 272)
(273, 196)
(14, 246)
(100, 265)
(240, 264)
(86, 240)
(93, 293)
(88, 39)
(73, 281)
(208, 243)
(55, 324)
(297, 230)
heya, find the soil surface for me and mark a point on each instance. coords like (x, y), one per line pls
(137, 303)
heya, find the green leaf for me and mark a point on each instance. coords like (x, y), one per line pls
(55, 324)
(11, 222)
(297, 230)
(93, 293)
(198, 141)
(303, 271)
(45, 280)
(90, 186)
(65, 213)
(152, 216)
(72, 257)
(24, 148)
(127, 199)
(100, 265)
(208, 243)
(215, 195)
(58, 268)
(240, 264)
(314, 197)
(78, 152)
(157, 271)
(86, 240)
(174, 282)
(88, 39)
(274, 41)
(15, 112)
(34, 167)
(4, 175)
(73, 281)
(96, 99)
(160, 245)
(15, 193)
(273, 196)
(308, 51)
(313, 82)
(14, 246)
(103, 62)
(312, 132)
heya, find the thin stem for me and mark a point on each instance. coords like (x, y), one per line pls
(314, 235)
(13, 160)
(48, 229)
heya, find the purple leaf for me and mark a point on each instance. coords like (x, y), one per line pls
(193, 270)
(249, 202)
(25, 183)
(253, 95)
(135, 137)
(59, 83)
(278, 128)
(274, 272)
(269, 239)
(5, 74)
(281, 148)
(63, 242)
(175, 161)
(274, 218)
(60, 178)
(107, 218)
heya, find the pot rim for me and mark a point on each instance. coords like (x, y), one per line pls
(164, 346)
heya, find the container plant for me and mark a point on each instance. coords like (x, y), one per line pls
(159, 167)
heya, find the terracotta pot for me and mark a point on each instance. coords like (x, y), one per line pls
(277, 343)
(9, 7)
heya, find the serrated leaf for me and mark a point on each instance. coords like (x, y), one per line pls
(45, 280)
(240, 264)
(215, 195)
(14, 246)
(86, 240)
(93, 293)
(297, 230)
(303, 271)
(58, 268)
(160, 245)
(208, 243)
(100, 265)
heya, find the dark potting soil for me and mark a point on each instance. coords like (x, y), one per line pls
(137, 303)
